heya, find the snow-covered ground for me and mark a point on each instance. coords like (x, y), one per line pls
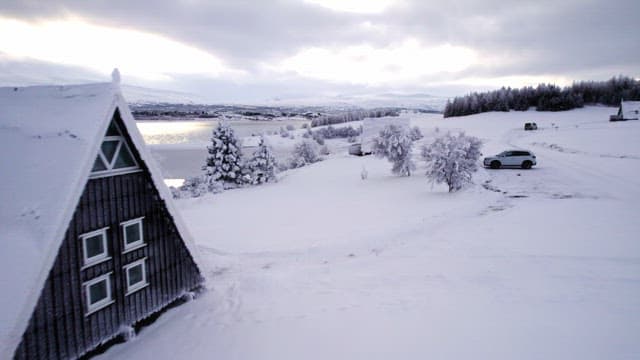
(537, 264)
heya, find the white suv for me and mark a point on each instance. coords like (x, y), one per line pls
(520, 158)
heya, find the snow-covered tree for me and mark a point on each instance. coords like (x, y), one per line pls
(262, 165)
(304, 153)
(224, 162)
(415, 133)
(394, 143)
(452, 159)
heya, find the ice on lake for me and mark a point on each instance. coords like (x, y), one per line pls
(179, 146)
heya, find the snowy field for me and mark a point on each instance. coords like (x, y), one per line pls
(537, 264)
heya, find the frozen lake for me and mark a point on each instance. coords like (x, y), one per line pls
(179, 146)
(199, 131)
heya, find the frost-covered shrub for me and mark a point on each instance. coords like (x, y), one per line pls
(306, 135)
(304, 153)
(395, 144)
(331, 132)
(452, 159)
(351, 139)
(319, 140)
(284, 133)
(305, 126)
(324, 150)
(353, 116)
(262, 166)
(415, 133)
(224, 162)
(290, 127)
(175, 192)
(283, 166)
(196, 187)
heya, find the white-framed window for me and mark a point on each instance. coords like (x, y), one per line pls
(133, 234)
(115, 156)
(94, 247)
(136, 275)
(98, 293)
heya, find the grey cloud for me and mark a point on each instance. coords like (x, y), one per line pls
(585, 38)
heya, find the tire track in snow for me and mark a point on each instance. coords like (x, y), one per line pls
(578, 168)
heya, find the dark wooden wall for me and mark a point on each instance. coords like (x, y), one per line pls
(59, 328)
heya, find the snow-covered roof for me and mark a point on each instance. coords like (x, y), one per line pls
(49, 139)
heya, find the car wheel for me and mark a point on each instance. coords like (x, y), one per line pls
(495, 164)
(526, 164)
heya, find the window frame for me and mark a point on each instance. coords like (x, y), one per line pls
(110, 171)
(140, 285)
(90, 261)
(92, 308)
(135, 245)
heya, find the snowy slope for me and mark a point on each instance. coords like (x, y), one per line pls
(531, 264)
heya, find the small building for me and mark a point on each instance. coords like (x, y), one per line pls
(91, 245)
(371, 128)
(628, 110)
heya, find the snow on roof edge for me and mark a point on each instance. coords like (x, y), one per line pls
(157, 179)
(64, 219)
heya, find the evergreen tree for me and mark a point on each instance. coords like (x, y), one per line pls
(224, 162)
(546, 97)
(262, 166)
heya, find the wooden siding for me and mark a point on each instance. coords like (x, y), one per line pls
(59, 327)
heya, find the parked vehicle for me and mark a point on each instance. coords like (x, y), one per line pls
(511, 158)
(355, 149)
(531, 126)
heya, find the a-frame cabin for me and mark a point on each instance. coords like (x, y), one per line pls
(90, 243)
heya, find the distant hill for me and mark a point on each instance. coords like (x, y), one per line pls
(143, 95)
(416, 101)
(153, 104)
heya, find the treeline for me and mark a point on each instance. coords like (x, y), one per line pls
(170, 114)
(546, 97)
(353, 116)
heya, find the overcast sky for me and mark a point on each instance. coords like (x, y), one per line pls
(253, 50)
